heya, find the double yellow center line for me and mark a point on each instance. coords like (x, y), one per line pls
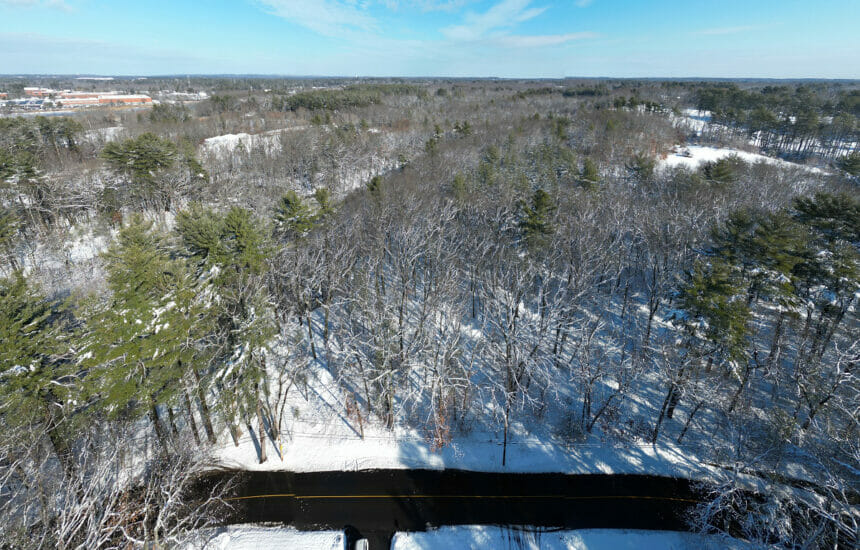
(511, 497)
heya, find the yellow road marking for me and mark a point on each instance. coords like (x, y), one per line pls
(261, 496)
(564, 497)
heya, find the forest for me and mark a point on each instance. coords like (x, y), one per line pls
(542, 259)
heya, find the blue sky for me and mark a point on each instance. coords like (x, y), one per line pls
(504, 38)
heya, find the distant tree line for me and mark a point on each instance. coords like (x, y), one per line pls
(793, 121)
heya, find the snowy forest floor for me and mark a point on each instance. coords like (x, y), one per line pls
(322, 432)
(322, 438)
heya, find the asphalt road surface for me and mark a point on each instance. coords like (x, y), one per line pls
(376, 503)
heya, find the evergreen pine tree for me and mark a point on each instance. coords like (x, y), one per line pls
(28, 338)
(32, 335)
(721, 172)
(641, 167)
(201, 230)
(716, 310)
(459, 187)
(834, 216)
(325, 207)
(9, 225)
(34, 379)
(231, 250)
(293, 217)
(141, 157)
(851, 164)
(144, 160)
(133, 368)
(589, 177)
(536, 223)
(733, 239)
(832, 265)
(779, 245)
(374, 187)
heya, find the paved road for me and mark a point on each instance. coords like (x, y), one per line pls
(377, 503)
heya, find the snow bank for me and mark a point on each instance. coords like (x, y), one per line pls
(500, 538)
(248, 537)
(696, 155)
(478, 452)
(224, 145)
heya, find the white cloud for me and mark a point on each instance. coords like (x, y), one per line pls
(524, 41)
(327, 17)
(505, 14)
(583, 3)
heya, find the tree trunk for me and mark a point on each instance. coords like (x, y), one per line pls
(261, 430)
(204, 408)
(690, 420)
(662, 414)
(652, 311)
(775, 347)
(505, 437)
(673, 401)
(58, 442)
(156, 423)
(189, 411)
(600, 411)
(311, 335)
(172, 419)
(736, 397)
(234, 433)
(624, 303)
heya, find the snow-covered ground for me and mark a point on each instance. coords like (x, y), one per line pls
(697, 122)
(224, 145)
(695, 156)
(319, 433)
(104, 135)
(251, 537)
(347, 174)
(248, 537)
(694, 120)
(500, 538)
(322, 438)
(407, 449)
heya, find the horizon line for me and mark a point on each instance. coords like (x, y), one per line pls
(423, 77)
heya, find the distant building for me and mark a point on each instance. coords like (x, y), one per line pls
(80, 95)
(4, 95)
(124, 99)
(69, 98)
(78, 101)
(38, 92)
(84, 99)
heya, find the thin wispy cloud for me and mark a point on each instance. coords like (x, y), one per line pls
(58, 4)
(539, 41)
(428, 5)
(433, 37)
(730, 30)
(327, 17)
(53, 54)
(353, 21)
(504, 15)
